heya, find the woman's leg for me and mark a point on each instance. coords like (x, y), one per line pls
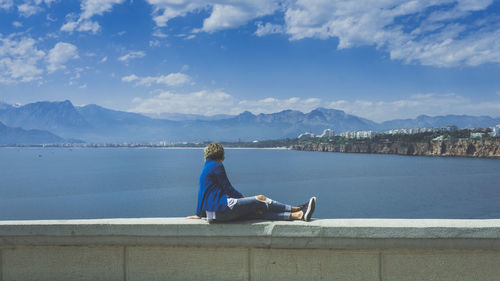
(259, 207)
(243, 209)
(275, 210)
(274, 206)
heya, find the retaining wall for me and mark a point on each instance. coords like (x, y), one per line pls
(182, 249)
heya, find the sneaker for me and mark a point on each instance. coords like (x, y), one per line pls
(303, 207)
(311, 205)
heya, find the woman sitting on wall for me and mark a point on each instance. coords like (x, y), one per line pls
(219, 201)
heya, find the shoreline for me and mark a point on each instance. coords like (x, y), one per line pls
(486, 149)
(138, 147)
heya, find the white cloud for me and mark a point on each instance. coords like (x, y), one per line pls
(130, 78)
(89, 9)
(154, 43)
(19, 59)
(49, 18)
(17, 24)
(172, 79)
(437, 34)
(268, 28)
(132, 55)
(202, 102)
(88, 25)
(104, 59)
(165, 10)
(47, 2)
(220, 102)
(69, 26)
(97, 7)
(28, 9)
(158, 33)
(83, 25)
(223, 14)
(270, 105)
(216, 102)
(429, 104)
(6, 4)
(436, 40)
(231, 15)
(59, 55)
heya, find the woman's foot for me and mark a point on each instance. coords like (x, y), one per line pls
(309, 210)
(297, 215)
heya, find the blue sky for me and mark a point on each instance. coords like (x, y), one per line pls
(376, 59)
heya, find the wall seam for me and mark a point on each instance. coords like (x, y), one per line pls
(380, 267)
(249, 264)
(1, 265)
(125, 265)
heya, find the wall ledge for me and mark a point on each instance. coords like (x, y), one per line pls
(317, 234)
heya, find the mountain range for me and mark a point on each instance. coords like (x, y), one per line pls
(93, 123)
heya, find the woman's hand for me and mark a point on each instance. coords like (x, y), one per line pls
(193, 217)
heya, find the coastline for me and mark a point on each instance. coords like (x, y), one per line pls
(468, 148)
(458, 148)
(140, 147)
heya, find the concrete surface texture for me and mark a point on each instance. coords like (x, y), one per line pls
(182, 249)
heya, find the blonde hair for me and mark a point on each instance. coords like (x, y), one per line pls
(214, 151)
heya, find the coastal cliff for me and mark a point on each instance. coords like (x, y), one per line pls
(462, 147)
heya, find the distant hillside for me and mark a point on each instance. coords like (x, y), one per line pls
(10, 135)
(185, 117)
(5, 106)
(93, 123)
(424, 121)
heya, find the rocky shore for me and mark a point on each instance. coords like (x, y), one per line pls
(461, 148)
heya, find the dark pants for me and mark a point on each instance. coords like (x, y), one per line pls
(249, 208)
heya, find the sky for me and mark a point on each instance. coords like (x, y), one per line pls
(378, 59)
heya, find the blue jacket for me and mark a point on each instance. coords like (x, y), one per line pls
(214, 189)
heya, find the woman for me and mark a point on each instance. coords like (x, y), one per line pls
(219, 201)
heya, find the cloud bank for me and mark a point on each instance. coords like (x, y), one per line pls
(21, 60)
(442, 33)
(172, 79)
(89, 8)
(219, 102)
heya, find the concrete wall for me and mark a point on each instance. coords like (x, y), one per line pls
(181, 249)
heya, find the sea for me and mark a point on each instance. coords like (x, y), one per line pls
(82, 183)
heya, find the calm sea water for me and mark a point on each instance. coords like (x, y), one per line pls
(107, 183)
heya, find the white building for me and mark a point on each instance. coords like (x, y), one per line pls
(440, 138)
(358, 135)
(495, 131)
(416, 131)
(349, 135)
(327, 133)
(476, 135)
(365, 134)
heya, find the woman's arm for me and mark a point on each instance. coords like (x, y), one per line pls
(226, 185)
